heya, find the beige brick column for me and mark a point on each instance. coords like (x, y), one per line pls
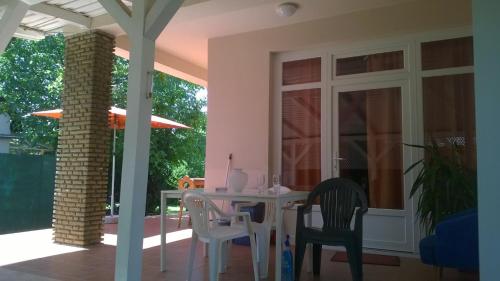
(84, 137)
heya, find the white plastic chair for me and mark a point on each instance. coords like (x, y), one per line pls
(263, 231)
(201, 209)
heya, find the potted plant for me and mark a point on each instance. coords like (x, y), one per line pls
(443, 186)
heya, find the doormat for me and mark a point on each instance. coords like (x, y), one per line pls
(370, 259)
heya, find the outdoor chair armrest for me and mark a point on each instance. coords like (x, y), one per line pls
(301, 211)
(305, 208)
(246, 219)
(358, 221)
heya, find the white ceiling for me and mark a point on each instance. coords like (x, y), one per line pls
(187, 34)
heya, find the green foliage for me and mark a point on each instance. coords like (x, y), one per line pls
(444, 185)
(31, 75)
(174, 152)
(31, 79)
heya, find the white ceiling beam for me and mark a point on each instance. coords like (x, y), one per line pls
(32, 2)
(28, 2)
(119, 11)
(64, 14)
(159, 15)
(14, 13)
(29, 34)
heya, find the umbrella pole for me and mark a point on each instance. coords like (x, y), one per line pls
(113, 174)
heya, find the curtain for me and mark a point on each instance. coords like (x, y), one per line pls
(301, 139)
(384, 148)
(449, 114)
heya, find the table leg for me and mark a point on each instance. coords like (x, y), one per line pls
(279, 242)
(309, 245)
(163, 254)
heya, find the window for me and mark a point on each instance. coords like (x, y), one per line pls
(447, 53)
(302, 71)
(301, 124)
(370, 63)
(448, 99)
(301, 139)
(449, 117)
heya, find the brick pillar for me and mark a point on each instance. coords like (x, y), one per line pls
(83, 149)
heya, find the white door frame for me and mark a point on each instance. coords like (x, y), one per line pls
(411, 73)
(385, 228)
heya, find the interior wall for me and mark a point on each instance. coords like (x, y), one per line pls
(240, 83)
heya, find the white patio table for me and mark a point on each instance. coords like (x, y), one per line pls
(250, 196)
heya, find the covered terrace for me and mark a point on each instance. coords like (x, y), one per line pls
(240, 49)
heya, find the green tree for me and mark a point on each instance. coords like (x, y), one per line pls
(173, 152)
(31, 79)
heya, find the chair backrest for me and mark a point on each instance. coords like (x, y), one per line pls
(185, 180)
(200, 208)
(338, 199)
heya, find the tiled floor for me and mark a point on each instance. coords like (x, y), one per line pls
(97, 263)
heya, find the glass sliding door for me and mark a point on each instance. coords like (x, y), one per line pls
(371, 121)
(347, 111)
(370, 144)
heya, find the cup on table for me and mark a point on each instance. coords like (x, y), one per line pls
(276, 184)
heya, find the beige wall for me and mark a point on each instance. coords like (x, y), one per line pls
(239, 69)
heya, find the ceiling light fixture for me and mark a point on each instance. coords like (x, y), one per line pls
(286, 9)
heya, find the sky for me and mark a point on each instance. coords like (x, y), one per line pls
(202, 94)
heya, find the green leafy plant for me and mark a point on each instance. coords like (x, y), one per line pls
(444, 185)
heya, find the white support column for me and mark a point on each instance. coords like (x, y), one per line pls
(486, 22)
(159, 15)
(135, 163)
(137, 131)
(14, 11)
(119, 12)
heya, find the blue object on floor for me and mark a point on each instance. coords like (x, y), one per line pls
(455, 243)
(287, 265)
(256, 215)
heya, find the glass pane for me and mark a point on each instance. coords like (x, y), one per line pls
(449, 116)
(301, 139)
(370, 63)
(302, 71)
(370, 142)
(447, 53)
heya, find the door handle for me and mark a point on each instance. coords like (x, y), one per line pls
(336, 160)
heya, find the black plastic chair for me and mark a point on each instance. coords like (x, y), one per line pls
(338, 199)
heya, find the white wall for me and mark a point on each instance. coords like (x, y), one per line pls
(239, 72)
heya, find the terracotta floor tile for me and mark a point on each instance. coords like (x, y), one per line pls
(98, 262)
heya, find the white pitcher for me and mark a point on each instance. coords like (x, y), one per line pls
(237, 180)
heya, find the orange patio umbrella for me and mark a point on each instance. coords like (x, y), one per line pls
(116, 119)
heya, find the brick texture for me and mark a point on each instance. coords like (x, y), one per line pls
(84, 140)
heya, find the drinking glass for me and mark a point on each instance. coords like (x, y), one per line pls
(276, 183)
(261, 183)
